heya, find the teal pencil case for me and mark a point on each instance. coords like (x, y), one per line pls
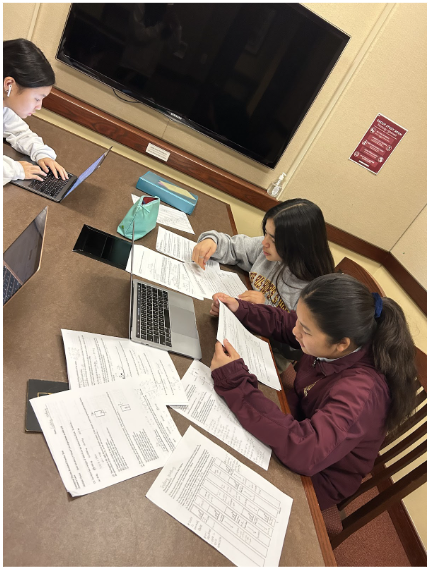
(168, 192)
(142, 215)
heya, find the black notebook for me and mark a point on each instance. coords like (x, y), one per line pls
(37, 388)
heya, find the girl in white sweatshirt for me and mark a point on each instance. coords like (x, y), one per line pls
(27, 79)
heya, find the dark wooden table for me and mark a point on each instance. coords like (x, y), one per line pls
(116, 526)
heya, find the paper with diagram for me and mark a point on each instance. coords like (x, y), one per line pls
(223, 501)
(208, 410)
(255, 352)
(101, 435)
(96, 359)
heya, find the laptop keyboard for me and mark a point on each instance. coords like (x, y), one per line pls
(153, 322)
(50, 185)
(10, 284)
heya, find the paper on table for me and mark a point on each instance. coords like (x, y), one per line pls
(208, 410)
(171, 217)
(223, 501)
(179, 247)
(95, 359)
(101, 435)
(166, 271)
(211, 281)
(254, 351)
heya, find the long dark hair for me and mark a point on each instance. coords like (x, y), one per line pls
(301, 238)
(344, 307)
(26, 63)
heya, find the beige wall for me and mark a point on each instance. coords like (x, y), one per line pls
(383, 69)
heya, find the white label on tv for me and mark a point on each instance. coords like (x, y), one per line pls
(158, 152)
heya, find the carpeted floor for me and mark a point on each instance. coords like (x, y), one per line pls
(375, 544)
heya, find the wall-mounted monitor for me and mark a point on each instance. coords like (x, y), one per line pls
(242, 74)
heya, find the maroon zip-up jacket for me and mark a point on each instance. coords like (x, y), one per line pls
(335, 430)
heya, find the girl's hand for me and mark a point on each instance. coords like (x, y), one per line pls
(203, 251)
(253, 296)
(231, 303)
(31, 171)
(48, 164)
(223, 355)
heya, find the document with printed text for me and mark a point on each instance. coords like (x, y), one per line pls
(208, 410)
(165, 271)
(171, 217)
(211, 281)
(101, 435)
(179, 247)
(223, 501)
(254, 351)
(94, 359)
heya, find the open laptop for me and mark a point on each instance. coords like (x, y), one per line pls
(53, 188)
(162, 319)
(22, 259)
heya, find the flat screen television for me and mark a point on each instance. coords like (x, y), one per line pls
(242, 74)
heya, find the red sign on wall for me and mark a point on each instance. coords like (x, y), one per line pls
(378, 144)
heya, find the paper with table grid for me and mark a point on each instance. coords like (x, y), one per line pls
(223, 501)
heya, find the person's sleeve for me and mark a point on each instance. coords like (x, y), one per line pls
(239, 250)
(24, 140)
(11, 170)
(269, 321)
(306, 447)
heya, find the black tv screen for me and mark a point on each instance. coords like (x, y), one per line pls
(242, 74)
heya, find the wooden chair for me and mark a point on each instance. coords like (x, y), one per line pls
(408, 445)
(348, 266)
(401, 444)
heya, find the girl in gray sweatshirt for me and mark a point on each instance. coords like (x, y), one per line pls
(293, 252)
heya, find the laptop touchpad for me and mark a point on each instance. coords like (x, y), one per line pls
(183, 322)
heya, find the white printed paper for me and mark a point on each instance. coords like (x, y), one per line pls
(212, 281)
(101, 435)
(255, 352)
(165, 271)
(180, 248)
(171, 217)
(224, 502)
(208, 410)
(94, 359)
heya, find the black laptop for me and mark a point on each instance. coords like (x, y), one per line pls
(51, 187)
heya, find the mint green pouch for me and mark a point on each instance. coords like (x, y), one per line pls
(143, 215)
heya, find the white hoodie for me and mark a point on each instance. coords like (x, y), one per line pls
(22, 139)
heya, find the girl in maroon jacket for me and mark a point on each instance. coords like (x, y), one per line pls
(354, 382)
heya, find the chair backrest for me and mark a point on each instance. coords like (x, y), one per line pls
(348, 266)
(406, 446)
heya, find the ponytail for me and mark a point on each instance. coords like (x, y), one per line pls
(394, 356)
(344, 307)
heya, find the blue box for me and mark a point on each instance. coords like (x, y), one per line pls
(168, 192)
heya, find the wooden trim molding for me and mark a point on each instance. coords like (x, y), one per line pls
(120, 131)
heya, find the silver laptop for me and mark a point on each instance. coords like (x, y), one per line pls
(53, 188)
(22, 259)
(162, 319)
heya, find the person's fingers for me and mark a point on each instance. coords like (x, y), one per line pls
(230, 349)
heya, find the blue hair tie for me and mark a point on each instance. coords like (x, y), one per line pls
(378, 305)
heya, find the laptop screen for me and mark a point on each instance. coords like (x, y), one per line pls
(88, 172)
(23, 256)
(131, 294)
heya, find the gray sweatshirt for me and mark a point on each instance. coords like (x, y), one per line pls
(246, 252)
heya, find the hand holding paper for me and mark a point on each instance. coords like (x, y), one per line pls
(254, 351)
(223, 355)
